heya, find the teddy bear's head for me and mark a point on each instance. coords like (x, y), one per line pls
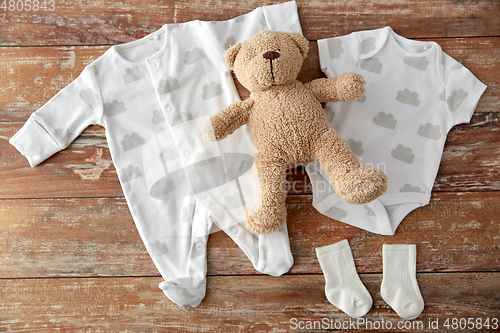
(268, 58)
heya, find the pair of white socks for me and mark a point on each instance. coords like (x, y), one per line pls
(399, 287)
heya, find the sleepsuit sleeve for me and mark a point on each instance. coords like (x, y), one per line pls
(58, 122)
(462, 92)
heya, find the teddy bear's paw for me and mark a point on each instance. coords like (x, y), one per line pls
(362, 185)
(207, 130)
(265, 219)
(350, 86)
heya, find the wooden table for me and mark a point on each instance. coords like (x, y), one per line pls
(72, 260)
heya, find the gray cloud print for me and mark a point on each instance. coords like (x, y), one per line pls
(132, 141)
(211, 90)
(403, 153)
(329, 113)
(362, 99)
(456, 98)
(181, 118)
(367, 45)
(409, 188)
(170, 153)
(89, 97)
(430, 131)
(133, 74)
(230, 41)
(114, 108)
(64, 136)
(335, 48)
(129, 173)
(408, 97)
(417, 62)
(385, 120)
(336, 213)
(372, 65)
(168, 85)
(158, 248)
(158, 117)
(356, 146)
(194, 55)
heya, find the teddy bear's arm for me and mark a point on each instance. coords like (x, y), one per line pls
(227, 120)
(345, 88)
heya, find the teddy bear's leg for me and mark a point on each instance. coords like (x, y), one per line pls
(267, 213)
(355, 184)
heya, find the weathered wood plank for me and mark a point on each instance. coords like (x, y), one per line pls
(74, 172)
(97, 237)
(34, 74)
(424, 19)
(469, 163)
(232, 304)
(107, 22)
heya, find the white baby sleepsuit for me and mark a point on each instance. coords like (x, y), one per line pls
(415, 93)
(152, 95)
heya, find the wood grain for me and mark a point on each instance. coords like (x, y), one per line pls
(85, 169)
(232, 304)
(34, 74)
(109, 22)
(71, 259)
(97, 237)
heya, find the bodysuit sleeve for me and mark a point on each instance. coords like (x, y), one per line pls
(339, 54)
(58, 122)
(462, 92)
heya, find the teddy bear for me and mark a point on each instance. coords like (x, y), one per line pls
(288, 125)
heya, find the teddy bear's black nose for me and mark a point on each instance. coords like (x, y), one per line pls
(271, 55)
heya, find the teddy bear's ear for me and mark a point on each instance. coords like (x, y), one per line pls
(230, 55)
(301, 42)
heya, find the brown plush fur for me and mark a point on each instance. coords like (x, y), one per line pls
(288, 125)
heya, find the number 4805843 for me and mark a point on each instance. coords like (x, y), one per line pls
(28, 5)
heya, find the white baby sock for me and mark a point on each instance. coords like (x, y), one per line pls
(399, 285)
(343, 287)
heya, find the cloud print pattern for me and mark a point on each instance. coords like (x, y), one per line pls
(408, 97)
(211, 90)
(415, 93)
(152, 95)
(385, 120)
(133, 74)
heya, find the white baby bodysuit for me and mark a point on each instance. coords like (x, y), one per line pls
(415, 93)
(152, 95)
